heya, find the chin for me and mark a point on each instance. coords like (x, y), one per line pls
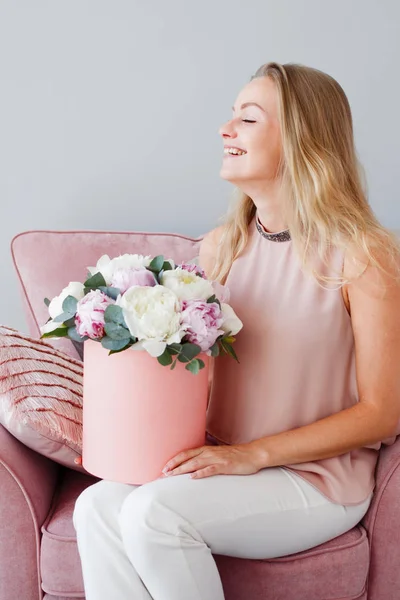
(235, 180)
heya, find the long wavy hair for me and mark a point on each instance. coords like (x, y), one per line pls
(324, 199)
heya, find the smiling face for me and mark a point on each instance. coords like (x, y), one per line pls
(254, 130)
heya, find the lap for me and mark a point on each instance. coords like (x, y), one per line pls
(270, 513)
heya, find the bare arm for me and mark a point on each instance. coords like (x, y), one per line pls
(375, 313)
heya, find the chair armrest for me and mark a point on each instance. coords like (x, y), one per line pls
(382, 523)
(27, 483)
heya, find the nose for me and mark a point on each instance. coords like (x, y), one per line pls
(227, 130)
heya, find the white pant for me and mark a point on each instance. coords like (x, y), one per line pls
(155, 541)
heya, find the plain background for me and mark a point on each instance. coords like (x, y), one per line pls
(110, 109)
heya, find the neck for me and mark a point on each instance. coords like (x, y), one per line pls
(269, 206)
(270, 222)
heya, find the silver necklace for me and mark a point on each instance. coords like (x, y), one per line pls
(281, 236)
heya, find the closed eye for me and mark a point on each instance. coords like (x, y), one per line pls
(247, 121)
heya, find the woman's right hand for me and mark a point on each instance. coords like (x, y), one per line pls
(78, 459)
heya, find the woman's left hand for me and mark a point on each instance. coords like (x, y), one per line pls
(241, 459)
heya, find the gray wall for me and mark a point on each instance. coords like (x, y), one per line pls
(110, 109)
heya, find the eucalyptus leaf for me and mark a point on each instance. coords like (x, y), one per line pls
(183, 359)
(201, 363)
(97, 280)
(63, 317)
(111, 344)
(193, 366)
(120, 349)
(167, 266)
(74, 335)
(174, 348)
(116, 331)
(173, 365)
(69, 305)
(190, 350)
(46, 301)
(109, 291)
(114, 314)
(165, 358)
(214, 350)
(157, 263)
(70, 322)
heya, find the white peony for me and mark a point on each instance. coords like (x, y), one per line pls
(231, 321)
(108, 266)
(187, 285)
(152, 315)
(75, 289)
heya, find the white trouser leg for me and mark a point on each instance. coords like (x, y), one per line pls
(156, 541)
(107, 571)
(172, 526)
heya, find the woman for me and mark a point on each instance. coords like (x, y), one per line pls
(315, 279)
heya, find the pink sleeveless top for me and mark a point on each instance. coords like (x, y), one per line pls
(297, 362)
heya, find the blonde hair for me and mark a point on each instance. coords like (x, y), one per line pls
(325, 199)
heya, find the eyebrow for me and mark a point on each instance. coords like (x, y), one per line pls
(249, 104)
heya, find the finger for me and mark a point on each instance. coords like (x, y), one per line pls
(189, 466)
(180, 458)
(206, 472)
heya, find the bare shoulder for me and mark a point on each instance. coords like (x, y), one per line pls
(367, 278)
(208, 249)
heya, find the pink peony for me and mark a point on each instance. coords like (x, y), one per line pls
(192, 268)
(89, 318)
(123, 279)
(203, 321)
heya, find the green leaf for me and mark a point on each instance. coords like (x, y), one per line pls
(156, 264)
(46, 301)
(201, 363)
(60, 332)
(116, 331)
(69, 305)
(165, 358)
(214, 350)
(74, 335)
(167, 266)
(173, 365)
(121, 349)
(174, 348)
(111, 292)
(115, 345)
(214, 299)
(97, 280)
(70, 322)
(63, 317)
(114, 314)
(193, 366)
(189, 351)
(229, 349)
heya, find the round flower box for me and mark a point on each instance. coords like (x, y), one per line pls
(138, 414)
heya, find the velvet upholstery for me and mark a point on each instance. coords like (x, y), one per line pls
(37, 496)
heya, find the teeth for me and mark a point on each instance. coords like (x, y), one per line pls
(233, 151)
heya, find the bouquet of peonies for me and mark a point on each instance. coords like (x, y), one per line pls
(136, 415)
(133, 301)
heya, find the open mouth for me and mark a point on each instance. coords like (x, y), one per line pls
(234, 152)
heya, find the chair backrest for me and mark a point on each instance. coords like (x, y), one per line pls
(46, 261)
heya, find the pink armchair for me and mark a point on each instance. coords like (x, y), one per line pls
(38, 552)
